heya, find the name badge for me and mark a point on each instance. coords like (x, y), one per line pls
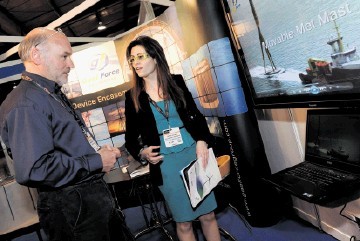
(172, 137)
(92, 142)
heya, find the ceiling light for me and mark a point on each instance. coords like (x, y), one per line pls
(101, 26)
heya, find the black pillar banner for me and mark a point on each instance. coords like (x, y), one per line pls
(255, 199)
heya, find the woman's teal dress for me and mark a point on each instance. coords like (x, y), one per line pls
(175, 159)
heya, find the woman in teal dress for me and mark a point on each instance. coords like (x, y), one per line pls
(161, 111)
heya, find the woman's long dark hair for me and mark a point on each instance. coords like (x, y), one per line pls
(164, 78)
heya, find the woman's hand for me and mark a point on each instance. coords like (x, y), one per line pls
(202, 152)
(151, 156)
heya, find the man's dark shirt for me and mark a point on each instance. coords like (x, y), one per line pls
(48, 146)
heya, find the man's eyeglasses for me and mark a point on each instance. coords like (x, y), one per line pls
(139, 57)
(58, 30)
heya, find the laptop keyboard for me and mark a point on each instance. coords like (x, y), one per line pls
(321, 176)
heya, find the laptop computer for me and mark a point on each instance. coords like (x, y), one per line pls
(331, 169)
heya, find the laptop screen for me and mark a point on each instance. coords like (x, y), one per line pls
(333, 138)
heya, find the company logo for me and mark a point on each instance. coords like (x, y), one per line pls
(99, 62)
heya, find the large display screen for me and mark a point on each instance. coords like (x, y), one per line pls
(299, 53)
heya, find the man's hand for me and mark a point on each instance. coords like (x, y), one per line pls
(108, 157)
(116, 151)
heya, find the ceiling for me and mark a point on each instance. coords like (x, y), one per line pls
(76, 18)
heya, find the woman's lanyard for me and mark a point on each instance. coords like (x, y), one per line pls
(172, 136)
(67, 106)
(166, 109)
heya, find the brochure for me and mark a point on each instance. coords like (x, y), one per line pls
(199, 181)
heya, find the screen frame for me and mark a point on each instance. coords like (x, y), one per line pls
(293, 101)
(346, 98)
(349, 166)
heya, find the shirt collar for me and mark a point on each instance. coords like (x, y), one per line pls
(50, 85)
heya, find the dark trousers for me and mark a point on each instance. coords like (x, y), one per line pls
(84, 212)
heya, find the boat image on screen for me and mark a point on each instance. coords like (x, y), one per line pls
(345, 65)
